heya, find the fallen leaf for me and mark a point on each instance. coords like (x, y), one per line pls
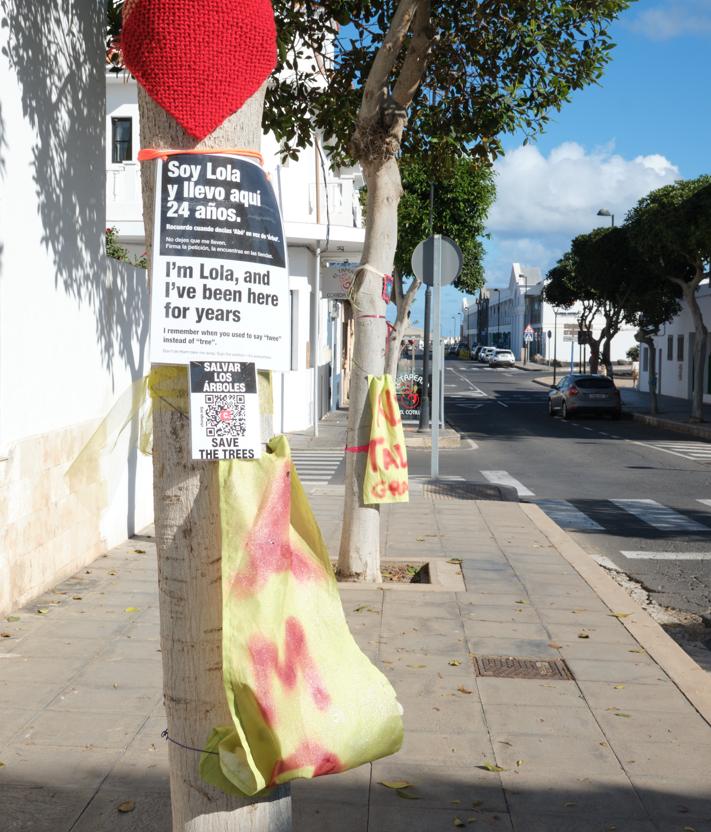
(554, 645)
(5, 635)
(637, 650)
(619, 713)
(42, 611)
(416, 666)
(583, 635)
(505, 742)
(519, 763)
(462, 689)
(2, 765)
(420, 539)
(491, 767)
(477, 803)
(458, 822)
(520, 602)
(126, 806)
(620, 614)
(454, 662)
(689, 829)
(140, 551)
(131, 609)
(361, 608)
(569, 804)
(406, 795)
(472, 820)
(618, 687)
(76, 597)
(455, 802)
(12, 618)
(112, 573)
(454, 560)
(395, 784)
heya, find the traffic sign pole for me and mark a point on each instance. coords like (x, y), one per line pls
(436, 352)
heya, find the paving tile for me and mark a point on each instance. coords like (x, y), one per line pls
(81, 729)
(687, 801)
(525, 648)
(558, 694)
(541, 720)
(558, 754)
(647, 759)
(573, 794)
(434, 749)
(57, 671)
(13, 721)
(106, 699)
(26, 694)
(518, 614)
(475, 598)
(41, 808)
(151, 813)
(418, 642)
(617, 672)
(634, 725)
(663, 696)
(437, 787)
(524, 821)
(349, 788)
(126, 674)
(57, 768)
(613, 633)
(410, 818)
(499, 629)
(427, 662)
(309, 816)
(49, 646)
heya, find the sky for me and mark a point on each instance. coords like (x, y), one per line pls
(646, 124)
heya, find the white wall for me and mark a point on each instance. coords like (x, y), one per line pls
(72, 325)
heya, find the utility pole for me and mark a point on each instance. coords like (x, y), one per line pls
(425, 405)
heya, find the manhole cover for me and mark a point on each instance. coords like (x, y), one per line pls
(514, 667)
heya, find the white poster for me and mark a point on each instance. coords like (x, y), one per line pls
(220, 281)
(224, 410)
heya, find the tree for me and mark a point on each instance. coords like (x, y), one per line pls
(382, 81)
(463, 193)
(671, 228)
(565, 288)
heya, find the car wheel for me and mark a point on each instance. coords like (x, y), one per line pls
(551, 410)
(564, 410)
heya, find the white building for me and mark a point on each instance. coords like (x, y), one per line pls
(321, 211)
(674, 353)
(499, 317)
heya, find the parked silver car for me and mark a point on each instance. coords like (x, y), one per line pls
(585, 393)
(484, 354)
(502, 358)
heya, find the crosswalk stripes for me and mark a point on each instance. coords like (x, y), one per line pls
(316, 466)
(567, 516)
(660, 517)
(697, 451)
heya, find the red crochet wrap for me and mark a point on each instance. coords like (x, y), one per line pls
(200, 61)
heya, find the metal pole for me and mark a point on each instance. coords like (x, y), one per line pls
(555, 344)
(425, 403)
(315, 350)
(437, 314)
(441, 392)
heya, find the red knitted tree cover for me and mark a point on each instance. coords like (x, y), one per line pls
(200, 61)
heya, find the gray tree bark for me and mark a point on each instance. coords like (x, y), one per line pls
(187, 520)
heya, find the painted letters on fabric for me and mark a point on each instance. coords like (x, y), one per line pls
(304, 699)
(386, 472)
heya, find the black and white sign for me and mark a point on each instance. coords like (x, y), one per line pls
(224, 410)
(220, 282)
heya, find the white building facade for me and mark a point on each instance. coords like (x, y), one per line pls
(500, 317)
(674, 353)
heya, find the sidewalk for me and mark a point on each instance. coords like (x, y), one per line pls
(672, 413)
(619, 748)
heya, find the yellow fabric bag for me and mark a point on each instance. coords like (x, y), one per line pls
(305, 701)
(386, 474)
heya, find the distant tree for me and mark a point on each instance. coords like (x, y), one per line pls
(463, 193)
(671, 228)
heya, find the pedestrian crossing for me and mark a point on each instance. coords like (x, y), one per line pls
(696, 451)
(316, 467)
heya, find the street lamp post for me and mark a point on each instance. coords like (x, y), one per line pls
(604, 212)
(555, 343)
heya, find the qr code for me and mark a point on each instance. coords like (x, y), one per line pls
(225, 415)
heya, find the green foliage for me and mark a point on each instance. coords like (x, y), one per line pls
(671, 228)
(495, 66)
(115, 250)
(633, 353)
(463, 194)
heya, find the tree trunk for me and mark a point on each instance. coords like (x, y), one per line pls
(594, 353)
(187, 520)
(697, 399)
(652, 358)
(359, 554)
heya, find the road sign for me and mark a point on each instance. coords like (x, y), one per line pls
(570, 331)
(528, 330)
(450, 261)
(528, 336)
(550, 334)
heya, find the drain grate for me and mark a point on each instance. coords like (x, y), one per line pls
(515, 667)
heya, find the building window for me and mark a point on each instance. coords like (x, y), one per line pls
(645, 359)
(670, 347)
(121, 142)
(679, 347)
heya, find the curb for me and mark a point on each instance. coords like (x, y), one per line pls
(691, 680)
(699, 431)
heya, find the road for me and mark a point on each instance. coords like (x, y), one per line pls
(636, 495)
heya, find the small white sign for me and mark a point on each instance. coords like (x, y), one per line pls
(528, 336)
(220, 281)
(224, 410)
(337, 279)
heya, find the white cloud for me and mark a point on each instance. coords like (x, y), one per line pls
(562, 192)
(674, 18)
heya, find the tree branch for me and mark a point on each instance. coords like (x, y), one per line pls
(415, 63)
